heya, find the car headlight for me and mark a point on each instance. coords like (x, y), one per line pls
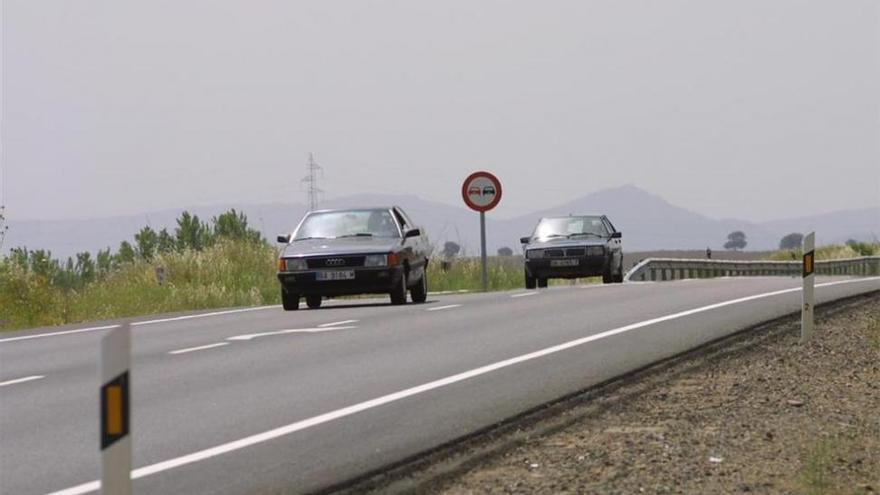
(595, 251)
(374, 260)
(534, 254)
(294, 264)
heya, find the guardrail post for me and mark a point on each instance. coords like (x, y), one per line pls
(809, 277)
(115, 407)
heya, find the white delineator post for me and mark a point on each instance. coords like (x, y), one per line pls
(115, 427)
(809, 286)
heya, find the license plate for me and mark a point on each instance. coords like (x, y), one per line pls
(564, 262)
(336, 275)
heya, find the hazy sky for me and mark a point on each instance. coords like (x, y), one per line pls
(752, 109)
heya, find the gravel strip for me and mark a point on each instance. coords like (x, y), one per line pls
(756, 414)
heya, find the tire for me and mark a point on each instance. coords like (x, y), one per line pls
(531, 282)
(313, 302)
(542, 283)
(419, 293)
(290, 302)
(607, 275)
(618, 277)
(398, 294)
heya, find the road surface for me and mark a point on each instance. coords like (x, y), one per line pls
(259, 399)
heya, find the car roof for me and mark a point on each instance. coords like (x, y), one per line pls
(573, 216)
(358, 208)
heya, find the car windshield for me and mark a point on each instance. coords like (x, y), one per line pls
(352, 223)
(549, 228)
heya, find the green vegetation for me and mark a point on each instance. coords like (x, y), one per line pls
(816, 471)
(852, 249)
(200, 265)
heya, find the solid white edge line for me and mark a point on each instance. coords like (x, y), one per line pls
(524, 294)
(396, 396)
(337, 323)
(448, 306)
(63, 332)
(137, 323)
(199, 348)
(22, 380)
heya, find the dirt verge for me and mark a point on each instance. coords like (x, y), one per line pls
(758, 413)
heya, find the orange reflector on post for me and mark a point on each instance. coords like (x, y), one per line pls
(809, 263)
(114, 410)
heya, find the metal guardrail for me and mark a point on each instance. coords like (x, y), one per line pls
(663, 269)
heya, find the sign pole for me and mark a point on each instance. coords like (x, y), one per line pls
(485, 269)
(115, 413)
(481, 191)
(809, 286)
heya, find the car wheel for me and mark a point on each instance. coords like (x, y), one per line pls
(398, 293)
(542, 283)
(290, 302)
(419, 293)
(618, 277)
(531, 283)
(313, 302)
(607, 275)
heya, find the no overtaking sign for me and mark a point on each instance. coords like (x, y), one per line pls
(481, 191)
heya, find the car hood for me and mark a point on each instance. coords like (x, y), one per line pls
(564, 243)
(336, 247)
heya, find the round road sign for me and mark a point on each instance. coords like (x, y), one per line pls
(481, 191)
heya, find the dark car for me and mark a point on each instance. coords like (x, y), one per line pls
(357, 251)
(572, 247)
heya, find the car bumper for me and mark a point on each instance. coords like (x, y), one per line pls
(587, 266)
(365, 281)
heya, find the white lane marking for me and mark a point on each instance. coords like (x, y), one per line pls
(396, 396)
(64, 332)
(203, 315)
(22, 380)
(199, 348)
(449, 306)
(137, 323)
(337, 323)
(524, 294)
(252, 336)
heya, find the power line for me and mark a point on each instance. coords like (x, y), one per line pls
(311, 181)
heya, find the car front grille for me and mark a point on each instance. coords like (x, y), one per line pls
(576, 251)
(335, 262)
(554, 253)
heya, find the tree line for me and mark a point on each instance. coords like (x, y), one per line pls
(191, 233)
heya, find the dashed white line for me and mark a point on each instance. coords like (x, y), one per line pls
(419, 389)
(524, 294)
(136, 324)
(448, 306)
(337, 323)
(22, 380)
(199, 348)
(252, 336)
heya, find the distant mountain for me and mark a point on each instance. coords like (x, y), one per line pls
(648, 222)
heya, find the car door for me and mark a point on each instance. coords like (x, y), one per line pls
(414, 249)
(615, 245)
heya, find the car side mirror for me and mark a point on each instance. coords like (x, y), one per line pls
(616, 235)
(524, 240)
(284, 239)
(412, 233)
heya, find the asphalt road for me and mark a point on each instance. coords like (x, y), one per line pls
(262, 400)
